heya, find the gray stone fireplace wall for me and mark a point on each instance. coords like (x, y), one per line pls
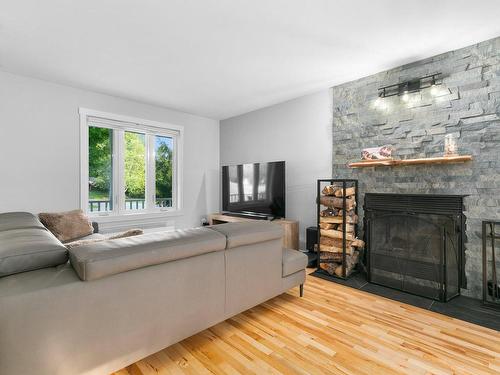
(466, 104)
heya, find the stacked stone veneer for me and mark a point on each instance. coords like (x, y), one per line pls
(466, 104)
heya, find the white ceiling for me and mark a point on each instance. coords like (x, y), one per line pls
(220, 58)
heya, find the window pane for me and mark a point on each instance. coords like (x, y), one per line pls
(164, 148)
(100, 169)
(135, 171)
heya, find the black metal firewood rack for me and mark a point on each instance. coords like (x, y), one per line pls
(491, 286)
(345, 184)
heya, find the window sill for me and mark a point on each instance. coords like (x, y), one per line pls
(134, 217)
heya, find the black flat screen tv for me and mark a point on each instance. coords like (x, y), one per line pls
(254, 189)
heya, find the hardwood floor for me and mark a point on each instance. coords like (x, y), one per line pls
(332, 330)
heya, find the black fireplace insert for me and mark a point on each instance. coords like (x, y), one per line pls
(415, 243)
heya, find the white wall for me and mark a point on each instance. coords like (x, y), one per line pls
(39, 147)
(297, 131)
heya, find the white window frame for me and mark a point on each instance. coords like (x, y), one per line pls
(120, 124)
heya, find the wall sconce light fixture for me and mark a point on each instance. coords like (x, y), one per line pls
(414, 85)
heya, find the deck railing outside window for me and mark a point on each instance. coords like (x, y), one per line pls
(130, 204)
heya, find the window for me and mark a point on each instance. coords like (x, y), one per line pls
(129, 165)
(100, 156)
(135, 171)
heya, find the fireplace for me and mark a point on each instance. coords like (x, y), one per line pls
(415, 243)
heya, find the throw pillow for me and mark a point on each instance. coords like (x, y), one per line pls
(128, 233)
(68, 225)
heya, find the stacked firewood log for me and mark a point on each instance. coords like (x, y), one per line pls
(331, 230)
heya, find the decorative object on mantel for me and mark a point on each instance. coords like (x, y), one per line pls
(337, 217)
(402, 162)
(450, 145)
(377, 153)
(491, 285)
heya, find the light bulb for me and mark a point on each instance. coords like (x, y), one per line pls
(405, 96)
(434, 90)
(380, 104)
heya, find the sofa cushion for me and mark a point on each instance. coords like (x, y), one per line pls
(28, 249)
(247, 233)
(293, 261)
(67, 226)
(105, 258)
(19, 220)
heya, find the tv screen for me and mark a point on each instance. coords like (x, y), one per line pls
(257, 188)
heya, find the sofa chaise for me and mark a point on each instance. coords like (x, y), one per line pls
(115, 302)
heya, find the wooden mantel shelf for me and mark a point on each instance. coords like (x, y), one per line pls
(395, 162)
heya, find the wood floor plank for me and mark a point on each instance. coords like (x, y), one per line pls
(333, 329)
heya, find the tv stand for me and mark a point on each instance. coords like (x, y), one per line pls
(290, 227)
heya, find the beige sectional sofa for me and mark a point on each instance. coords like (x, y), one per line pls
(121, 300)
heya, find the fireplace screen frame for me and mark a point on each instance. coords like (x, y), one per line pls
(448, 272)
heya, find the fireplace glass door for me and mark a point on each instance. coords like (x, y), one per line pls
(414, 252)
